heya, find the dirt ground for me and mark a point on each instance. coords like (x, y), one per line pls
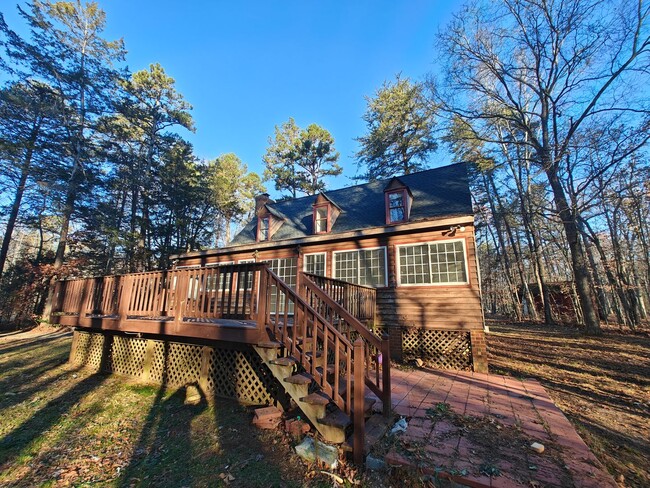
(602, 384)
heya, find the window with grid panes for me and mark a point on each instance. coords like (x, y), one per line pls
(287, 271)
(223, 278)
(396, 210)
(432, 263)
(363, 266)
(264, 225)
(249, 275)
(320, 219)
(315, 264)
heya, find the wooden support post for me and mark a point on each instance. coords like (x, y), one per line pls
(262, 303)
(385, 374)
(148, 360)
(107, 346)
(73, 348)
(206, 353)
(125, 299)
(358, 397)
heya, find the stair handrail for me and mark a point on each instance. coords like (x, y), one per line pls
(380, 385)
(332, 340)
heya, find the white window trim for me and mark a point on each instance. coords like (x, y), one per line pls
(244, 261)
(357, 249)
(215, 265)
(444, 241)
(304, 261)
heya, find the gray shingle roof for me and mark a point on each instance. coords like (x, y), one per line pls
(439, 192)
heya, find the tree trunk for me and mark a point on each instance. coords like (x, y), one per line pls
(578, 260)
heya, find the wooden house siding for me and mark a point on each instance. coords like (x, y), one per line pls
(444, 307)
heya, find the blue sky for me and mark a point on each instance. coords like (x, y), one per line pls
(248, 66)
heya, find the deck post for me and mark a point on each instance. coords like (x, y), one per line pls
(125, 299)
(262, 303)
(358, 396)
(385, 374)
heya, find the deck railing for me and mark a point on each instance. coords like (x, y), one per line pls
(223, 292)
(359, 300)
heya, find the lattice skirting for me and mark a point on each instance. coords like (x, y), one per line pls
(236, 373)
(447, 349)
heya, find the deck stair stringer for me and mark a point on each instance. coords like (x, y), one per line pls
(314, 405)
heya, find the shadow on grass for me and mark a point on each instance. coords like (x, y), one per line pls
(25, 439)
(163, 454)
(20, 344)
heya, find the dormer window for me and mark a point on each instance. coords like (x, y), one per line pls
(398, 202)
(264, 228)
(321, 219)
(397, 206)
(325, 214)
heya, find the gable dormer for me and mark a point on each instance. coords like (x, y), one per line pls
(325, 214)
(269, 220)
(398, 199)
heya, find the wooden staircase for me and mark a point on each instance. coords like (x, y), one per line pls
(318, 365)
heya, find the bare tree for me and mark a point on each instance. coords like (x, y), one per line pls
(553, 70)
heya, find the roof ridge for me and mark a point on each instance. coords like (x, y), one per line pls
(285, 200)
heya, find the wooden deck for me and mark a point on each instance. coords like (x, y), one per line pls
(248, 303)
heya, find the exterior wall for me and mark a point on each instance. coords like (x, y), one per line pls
(455, 307)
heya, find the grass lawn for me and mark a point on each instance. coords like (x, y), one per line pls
(602, 384)
(62, 426)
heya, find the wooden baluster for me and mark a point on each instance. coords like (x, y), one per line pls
(358, 414)
(237, 288)
(337, 369)
(348, 380)
(245, 307)
(385, 371)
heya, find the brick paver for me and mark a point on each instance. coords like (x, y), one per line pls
(522, 406)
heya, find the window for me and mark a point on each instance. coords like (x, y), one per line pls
(320, 219)
(315, 264)
(432, 263)
(363, 267)
(287, 271)
(397, 206)
(224, 278)
(263, 228)
(249, 275)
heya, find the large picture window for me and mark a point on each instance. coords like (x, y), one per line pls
(315, 263)
(363, 266)
(432, 263)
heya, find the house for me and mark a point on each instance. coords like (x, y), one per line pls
(411, 238)
(310, 301)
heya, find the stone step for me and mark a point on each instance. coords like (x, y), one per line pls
(284, 361)
(300, 379)
(337, 418)
(317, 398)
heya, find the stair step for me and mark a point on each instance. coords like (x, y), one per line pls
(330, 369)
(311, 353)
(338, 418)
(269, 344)
(316, 398)
(299, 379)
(284, 361)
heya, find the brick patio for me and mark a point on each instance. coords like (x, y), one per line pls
(517, 413)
